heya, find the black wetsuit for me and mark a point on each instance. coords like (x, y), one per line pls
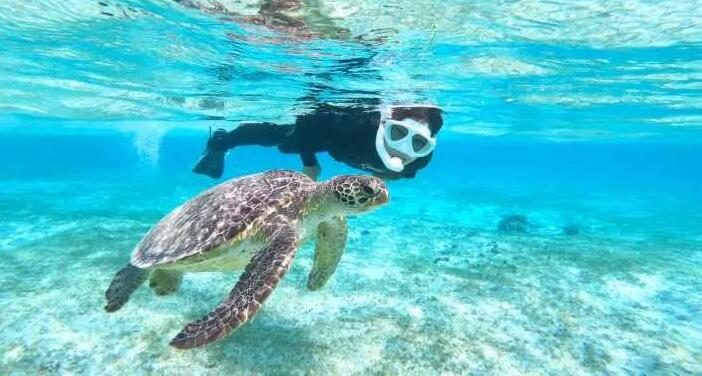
(346, 133)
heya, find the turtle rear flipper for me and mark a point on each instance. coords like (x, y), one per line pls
(165, 282)
(126, 281)
(257, 282)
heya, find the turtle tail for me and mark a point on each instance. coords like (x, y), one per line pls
(126, 281)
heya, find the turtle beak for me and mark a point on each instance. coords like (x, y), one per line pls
(383, 197)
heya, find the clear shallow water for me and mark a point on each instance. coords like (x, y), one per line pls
(549, 69)
(582, 114)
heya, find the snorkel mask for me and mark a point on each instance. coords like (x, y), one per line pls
(406, 139)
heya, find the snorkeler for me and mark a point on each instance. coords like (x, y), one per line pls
(392, 142)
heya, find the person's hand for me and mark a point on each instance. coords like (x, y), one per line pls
(312, 171)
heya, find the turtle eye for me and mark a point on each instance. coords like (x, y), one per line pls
(368, 190)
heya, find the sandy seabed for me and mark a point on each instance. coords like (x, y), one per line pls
(426, 286)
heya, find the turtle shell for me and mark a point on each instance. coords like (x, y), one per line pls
(225, 212)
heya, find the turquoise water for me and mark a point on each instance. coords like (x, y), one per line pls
(582, 115)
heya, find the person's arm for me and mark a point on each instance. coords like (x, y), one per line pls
(310, 165)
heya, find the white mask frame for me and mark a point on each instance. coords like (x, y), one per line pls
(403, 145)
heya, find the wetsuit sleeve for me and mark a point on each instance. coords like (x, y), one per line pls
(309, 159)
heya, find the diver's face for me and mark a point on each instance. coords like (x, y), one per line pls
(408, 139)
(406, 159)
(428, 115)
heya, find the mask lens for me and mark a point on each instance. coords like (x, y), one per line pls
(418, 143)
(397, 132)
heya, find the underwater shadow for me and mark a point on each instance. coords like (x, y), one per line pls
(264, 347)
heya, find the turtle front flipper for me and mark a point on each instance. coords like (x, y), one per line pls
(125, 282)
(331, 241)
(262, 274)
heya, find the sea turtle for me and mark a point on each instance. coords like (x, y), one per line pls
(255, 222)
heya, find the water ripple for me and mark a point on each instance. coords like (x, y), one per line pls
(530, 67)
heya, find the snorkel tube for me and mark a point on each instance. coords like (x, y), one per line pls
(392, 163)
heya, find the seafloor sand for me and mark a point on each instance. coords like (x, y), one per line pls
(427, 286)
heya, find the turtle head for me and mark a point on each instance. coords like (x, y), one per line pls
(358, 193)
